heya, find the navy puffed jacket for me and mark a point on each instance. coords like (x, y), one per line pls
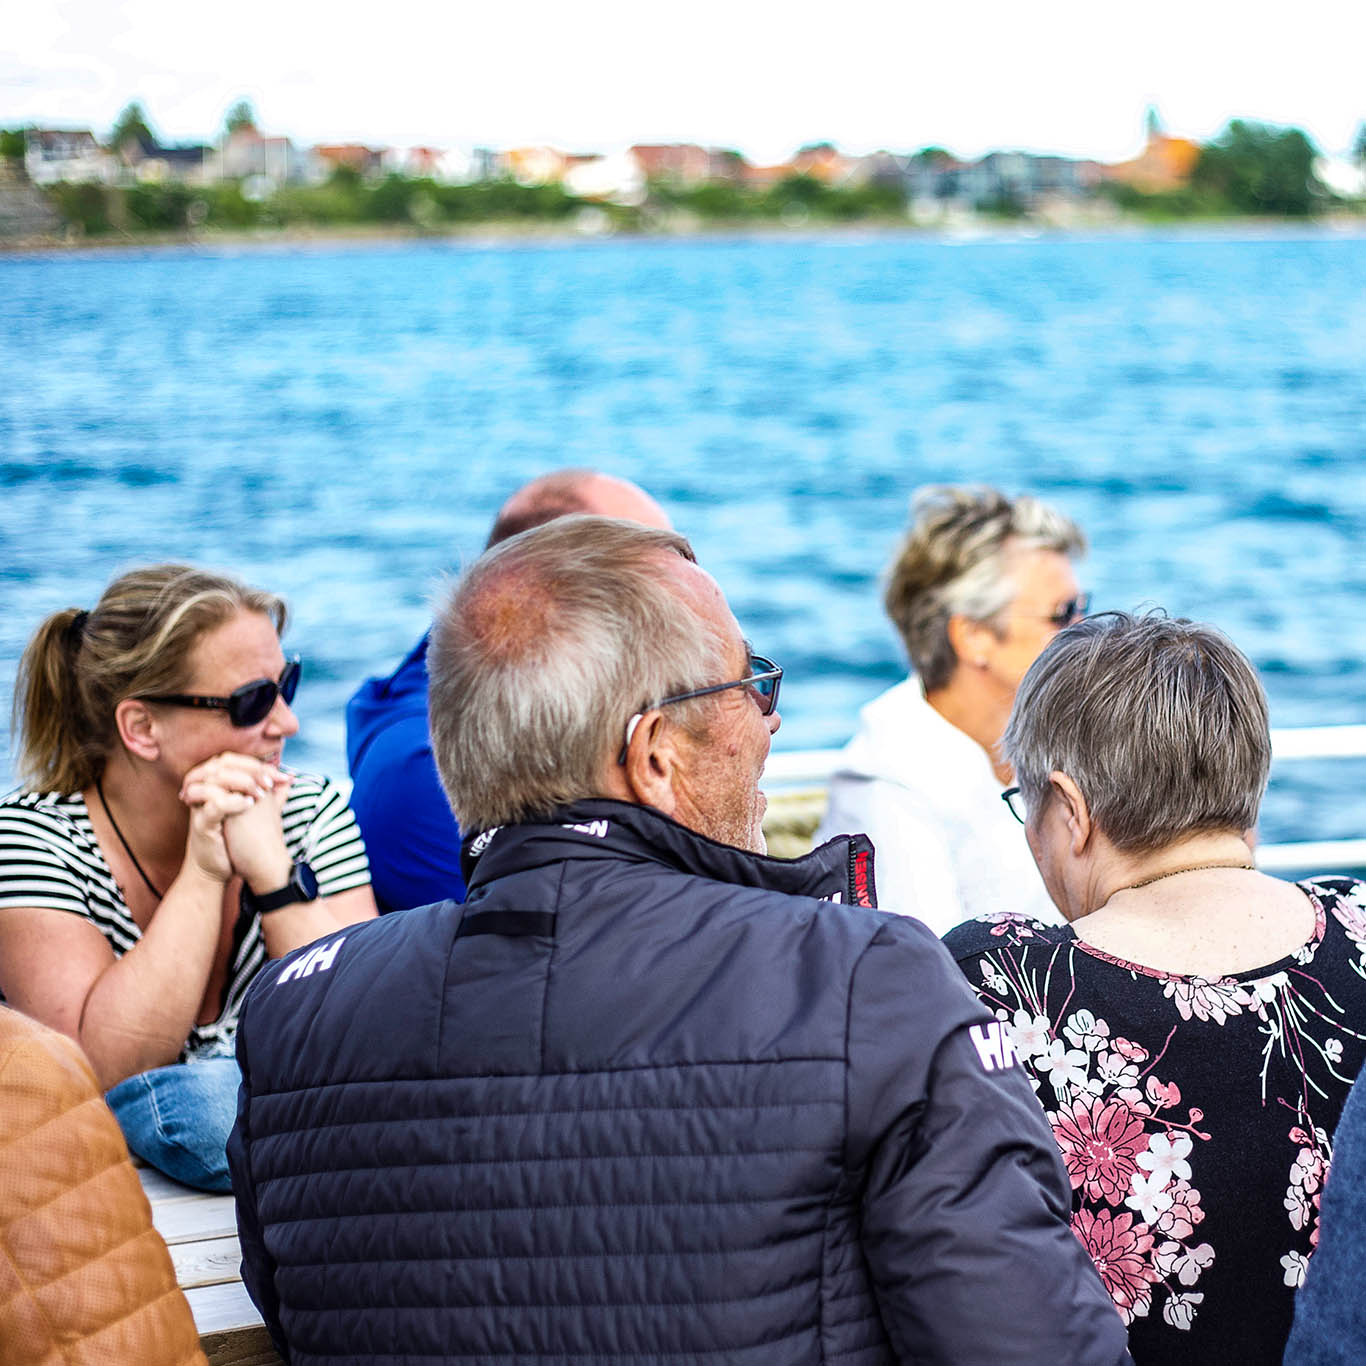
(646, 1098)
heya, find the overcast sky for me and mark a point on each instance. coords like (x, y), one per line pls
(1060, 76)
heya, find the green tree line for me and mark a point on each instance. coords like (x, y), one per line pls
(421, 204)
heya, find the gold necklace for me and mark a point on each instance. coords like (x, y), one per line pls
(1176, 872)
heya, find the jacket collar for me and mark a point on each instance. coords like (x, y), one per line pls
(600, 828)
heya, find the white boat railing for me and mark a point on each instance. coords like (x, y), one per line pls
(811, 768)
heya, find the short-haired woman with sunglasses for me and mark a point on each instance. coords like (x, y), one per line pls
(160, 854)
(980, 584)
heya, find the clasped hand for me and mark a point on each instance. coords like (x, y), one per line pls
(235, 804)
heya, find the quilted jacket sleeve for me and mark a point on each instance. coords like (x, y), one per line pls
(258, 1267)
(83, 1274)
(965, 1216)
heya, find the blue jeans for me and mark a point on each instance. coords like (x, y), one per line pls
(177, 1118)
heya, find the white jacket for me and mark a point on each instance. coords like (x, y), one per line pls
(948, 848)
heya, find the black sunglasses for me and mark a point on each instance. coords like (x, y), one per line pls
(1074, 609)
(248, 704)
(762, 682)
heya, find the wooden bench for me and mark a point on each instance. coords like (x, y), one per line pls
(201, 1232)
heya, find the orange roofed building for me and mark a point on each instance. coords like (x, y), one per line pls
(822, 162)
(685, 163)
(533, 165)
(366, 161)
(1166, 163)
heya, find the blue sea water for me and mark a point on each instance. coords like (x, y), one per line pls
(340, 423)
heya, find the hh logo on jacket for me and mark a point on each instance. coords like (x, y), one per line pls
(993, 1046)
(316, 960)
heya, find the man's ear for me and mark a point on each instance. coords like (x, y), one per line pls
(652, 763)
(971, 641)
(1075, 811)
(137, 729)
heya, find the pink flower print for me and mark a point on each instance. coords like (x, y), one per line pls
(1030, 1034)
(1179, 1310)
(1314, 1232)
(1163, 1094)
(1264, 992)
(1126, 1048)
(1099, 1142)
(992, 977)
(1147, 1195)
(1087, 1032)
(1066, 1067)
(1113, 1069)
(1350, 910)
(1007, 922)
(1295, 1264)
(1119, 1248)
(1207, 1000)
(1297, 1135)
(1180, 1220)
(1134, 1099)
(1166, 1158)
(1307, 1171)
(1183, 1263)
(1297, 1202)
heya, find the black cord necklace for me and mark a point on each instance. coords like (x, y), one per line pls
(127, 848)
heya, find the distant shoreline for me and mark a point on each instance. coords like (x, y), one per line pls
(512, 232)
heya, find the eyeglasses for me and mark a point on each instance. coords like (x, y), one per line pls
(1014, 799)
(762, 682)
(248, 704)
(1074, 609)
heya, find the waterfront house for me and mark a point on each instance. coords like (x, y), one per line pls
(617, 178)
(70, 154)
(246, 154)
(822, 161)
(146, 161)
(677, 163)
(532, 165)
(367, 162)
(447, 167)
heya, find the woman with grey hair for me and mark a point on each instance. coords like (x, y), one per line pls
(980, 585)
(1193, 1030)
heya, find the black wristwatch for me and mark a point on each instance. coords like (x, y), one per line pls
(302, 886)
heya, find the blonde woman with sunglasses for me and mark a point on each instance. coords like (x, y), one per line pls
(160, 853)
(980, 584)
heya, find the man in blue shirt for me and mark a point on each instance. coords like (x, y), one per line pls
(410, 835)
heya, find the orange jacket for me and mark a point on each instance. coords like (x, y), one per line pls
(84, 1277)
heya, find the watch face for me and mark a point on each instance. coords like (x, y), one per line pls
(305, 880)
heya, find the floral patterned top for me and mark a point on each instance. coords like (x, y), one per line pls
(1194, 1117)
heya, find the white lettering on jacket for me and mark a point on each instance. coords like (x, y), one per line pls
(993, 1046)
(483, 840)
(598, 828)
(317, 960)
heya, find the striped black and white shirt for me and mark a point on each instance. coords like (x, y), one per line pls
(49, 857)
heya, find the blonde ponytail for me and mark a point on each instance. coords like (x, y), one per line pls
(136, 642)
